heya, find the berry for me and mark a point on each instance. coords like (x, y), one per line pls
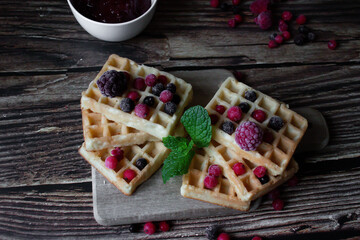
(239, 169)
(286, 35)
(332, 44)
(235, 2)
(139, 84)
(224, 6)
(311, 36)
(170, 108)
(223, 236)
(149, 228)
(133, 95)
(256, 238)
(150, 80)
(268, 137)
(238, 18)
(141, 163)
(238, 75)
(164, 226)
(166, 96)
(112, 83)
(157, 89)
(276, 123)
(234, 113)
(260, 171)
(259, 115)
(228, 127)
(162, 79)
(150, 101)
(127, 105)
(278, 204)
(129, 175)
(299, 39)
(301, 19)
(214, 3)
(220, 109)
(273, 36)
(244, 106)
(133, 228)
(259, 6)
(265, 179)
(211, 232)
(272, 44)
(176, 99)
(264, 20)
(111, 162)
(274, 194)
(279, 39)
(250, 95)
(232, 23)
(210, 182)
(283, 26)
(141, 110)
(286, 16)
(293, 181)
(118, 153)
(248, 136)
(214, 118)
(303, 29)
(171, 87)
(214, 170)
(127, 76)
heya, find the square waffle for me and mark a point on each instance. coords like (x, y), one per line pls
(157, 123)
(274, 156)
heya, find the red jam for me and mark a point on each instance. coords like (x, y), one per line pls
(112, 11)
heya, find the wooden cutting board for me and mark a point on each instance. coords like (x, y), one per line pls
(154, 201)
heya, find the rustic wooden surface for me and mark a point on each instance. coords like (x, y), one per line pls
(47, 59)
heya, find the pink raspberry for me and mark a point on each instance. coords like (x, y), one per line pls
(256, 238)
(286, 35)
(264, 20)
(141, 110)
(232, 23)
(223, 236)
(214, 3)
(164, 226)
(118, 153)
(248, 136)
(162, 79)
(278, 204)
(274, 194)
(111, 162)
(129, 175)
(214, 170)
(259, 6)
(286, 16)
(301, 19)
(139, 84)
(279, 39)
(293, 181)
(260, 171)
(234, 113)
(133, 95)
(235, 2)
(272, 44)
(283, 26)
(150, 80)
(210, 182)
(149, 228)
(239, 169)
(166, 96)
(332, 44)
(259, 115)
(238, 18)
(220, 109)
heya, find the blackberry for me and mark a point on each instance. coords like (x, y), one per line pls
(211, 232)
(224, 6)
(112, 83)
(273, 36)
(150, 101)
(170, 108)
(157, 89)
(276, 123)
(244, 106)
(171, 87)
(311, 36)
(141, 163)
(228, 127)
(133, 228)
(265, 179)
(127, 105)
(303, 29)
(299, 39)
(176, 99)
(250, 95)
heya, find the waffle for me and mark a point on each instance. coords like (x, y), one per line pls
(274, 156)
(101, 133)
(157, 123)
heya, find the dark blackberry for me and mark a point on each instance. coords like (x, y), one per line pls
(157, 89)
(141, 163)
(212, 232)
(273, 36)
(265, 179)
(245, 107)
(236, 9)
(112, 83)
(228, 127)
(303, 29)
(299, 39)
(133, 228)
(171, 87)
(224, 6)
(170, 108)
(150, 101)
(127, 105)
(311, 36)
(176, 99)
(276, 123)
(250, 95)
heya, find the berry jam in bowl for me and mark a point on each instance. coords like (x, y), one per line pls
(113, 20)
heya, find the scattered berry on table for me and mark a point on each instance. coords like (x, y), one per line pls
(112, 83)
(283, 26)
(129, 175)
(133, 95)
(303, 29)
(232, 23)
(332, 44)
(228, 127)
(111, 162)
(264, 20)
(250, 95)
(268, 137)
(220, 109)
(301, 19)
(162, 79)
(141, 110)
(276, 123)
(118, 153)
(238, 18)
(214, 118)
(299, 39)
(171, 87)
(286, 16)
(273, 36)
(265, 179)
(170, 108)
(311, 36)
(211, 232)
(139, 84)
(141, 163)
(150, 80)
(166, 96)
(133, 228)
(286, 35)
(293, 181)
(210, 182)
(278, 204)
(234, 113)
(259, 6)
(176, 99)
(223, 236)
(239, 169)
(248, 136)
(235, 2)
(164, 226)
(274, 194)
(214, 3)
(244, 106)
(272, 44)
(157, 89)
(259, 115)
(149, 100)
(279, 39)
(149, 228)
(260, 171)
(127, 105)
(256, 238)
(214, 170)
(238, 75)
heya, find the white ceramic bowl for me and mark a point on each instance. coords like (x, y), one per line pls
(115, 32)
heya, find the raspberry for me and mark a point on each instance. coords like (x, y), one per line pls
(139, 84)
(286, 16)
(166, 96)
(256, 238)
(311, 36)
(129, 175)
(112, 83)
(223, 236)
(272, 44)
(214, 170)
(150, 101)
(259, 115)
(235, 2)
(248, 136)
(274, 194)
(276, 123)
(214, 3)
(141, 110)
(157, 89)
(301, 19)
(150, 80)
(278, 204)
(279, 39)
(265, 179)
(238, 18)
(118, 153)
(210, 182)
(176, 99)
(332, 44)
(220, 109)
(239, 169)
(283, 26)
(141, 163)
(135, 96)
(234, 113)
(111, 162)
(170, 108)
(264, 20)
(244, 106)
(232, 23)
(164, 226)
(171, 87)
(293, 181)
(228, 127)
(259, 6)
(260, 171)
(268, 137)
(299, 39)
(250, 95)
(149, 228)
(214, 118)
(238, 75)
(127, 105)
(162, 79)
(286, 35)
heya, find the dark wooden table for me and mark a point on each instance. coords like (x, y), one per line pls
(47, 59)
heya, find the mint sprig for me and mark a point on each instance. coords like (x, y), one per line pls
(176, 164)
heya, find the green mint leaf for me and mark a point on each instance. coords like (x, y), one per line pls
(197, 123)
(176, 164)
(178, 144)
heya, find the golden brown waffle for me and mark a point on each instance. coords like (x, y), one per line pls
(274, 156)
(154, 152)
(157, 123)
(101, 133)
